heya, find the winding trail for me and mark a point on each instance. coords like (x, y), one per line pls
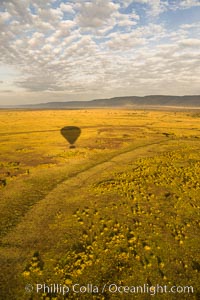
(40, 229)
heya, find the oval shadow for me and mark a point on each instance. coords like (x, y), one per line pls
(71, 134)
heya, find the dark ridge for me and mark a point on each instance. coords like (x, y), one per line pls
(128, 101)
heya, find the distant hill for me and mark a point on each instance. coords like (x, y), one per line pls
(130, 101)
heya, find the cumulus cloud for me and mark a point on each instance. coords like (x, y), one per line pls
(190, 43)
(67, 8)
(96, 14)
(154, 7)
(189, 3)
(98, 48)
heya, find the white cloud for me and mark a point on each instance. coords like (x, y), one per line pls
(155, 6)
(125, 3)
(96, 14)
(189, 3)
(96, 48)
(51, 15)
(36, 40)
(68, 8)
(5, 16)
(190, 43)
(126, 19)
(138, 37)
(125, 41)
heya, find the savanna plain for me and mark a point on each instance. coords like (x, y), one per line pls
(121, 207)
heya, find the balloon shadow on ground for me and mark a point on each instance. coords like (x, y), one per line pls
(71, 134)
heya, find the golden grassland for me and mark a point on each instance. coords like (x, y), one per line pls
(122, 207)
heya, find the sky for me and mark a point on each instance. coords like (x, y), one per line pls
(58, 50)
